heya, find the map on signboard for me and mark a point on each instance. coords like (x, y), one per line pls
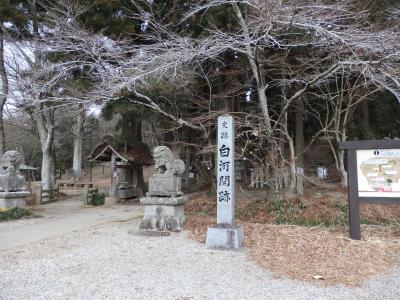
(378, 173)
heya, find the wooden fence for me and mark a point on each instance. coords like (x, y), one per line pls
(73, 188)
(46, 196)
(257, 178)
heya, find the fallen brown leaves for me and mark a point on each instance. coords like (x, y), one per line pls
(322, 255)
(315, 253)
(303, 252)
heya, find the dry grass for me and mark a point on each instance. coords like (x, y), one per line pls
(301, 252)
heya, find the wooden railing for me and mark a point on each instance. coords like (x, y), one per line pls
(74, 188)
(74, 184)
(46, 196)
(257, 178)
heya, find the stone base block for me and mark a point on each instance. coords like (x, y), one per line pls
(160, 184)
(110, 200)
(12, 199)
(163, 217)
(128, 193)
(224, 236)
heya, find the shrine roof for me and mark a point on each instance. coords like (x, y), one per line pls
(129, 153)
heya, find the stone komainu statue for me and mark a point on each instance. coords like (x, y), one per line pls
(164, 202)
(10, 178)
(165, 162)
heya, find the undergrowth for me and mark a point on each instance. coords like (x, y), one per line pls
(16, 213)
(98, 199)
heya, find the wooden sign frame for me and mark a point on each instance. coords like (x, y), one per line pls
(352, 177)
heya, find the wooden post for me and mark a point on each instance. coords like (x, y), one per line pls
(91, 173)
(86, 195)
(354, 201)
(39, 195)
(58, 191)
(112, 188)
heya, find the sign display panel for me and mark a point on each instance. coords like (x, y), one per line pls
(378, 173)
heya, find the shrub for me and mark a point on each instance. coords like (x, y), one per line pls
(16, 213)
(98, 199)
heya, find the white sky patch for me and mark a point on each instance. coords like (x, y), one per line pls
(144, 26)
(8, 25)
(14, 61)
(248, 96)
(94, 110)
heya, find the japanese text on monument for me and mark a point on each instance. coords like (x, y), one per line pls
(225, 168)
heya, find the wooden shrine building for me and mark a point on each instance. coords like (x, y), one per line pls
(131, 157)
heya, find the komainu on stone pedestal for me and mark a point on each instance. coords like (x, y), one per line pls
(11, 181)
(165, 201)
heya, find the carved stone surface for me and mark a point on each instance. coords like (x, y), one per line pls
(163, 217)
(159, 184)
(12, 199)
(11, 179)
(165, 162)
(165, 203)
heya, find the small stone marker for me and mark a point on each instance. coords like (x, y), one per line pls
(225, 234)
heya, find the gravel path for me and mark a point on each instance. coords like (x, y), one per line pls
(108, 262)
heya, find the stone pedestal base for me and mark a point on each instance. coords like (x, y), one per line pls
(224, 236)
(164, 213)
(160, 184)
(12, 199)
(111, 200)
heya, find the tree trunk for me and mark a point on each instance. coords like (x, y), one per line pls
(46, 169)
(53, 174)
(292, 169)
(43, 114)
(299, 147)
(365, 116)
(187, 166)
(292, 158)
(4, 92)
(45, 125)
(140, 180)
(77, 158)
(342, 169)
(255, 68)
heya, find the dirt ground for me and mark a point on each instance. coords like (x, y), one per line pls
(308, 240)
(62, 217)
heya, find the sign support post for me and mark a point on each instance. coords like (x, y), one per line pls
(354, 202)
(225, 234)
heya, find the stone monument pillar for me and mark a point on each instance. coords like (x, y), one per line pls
(11, 181)
(225, 234)
(164, 204)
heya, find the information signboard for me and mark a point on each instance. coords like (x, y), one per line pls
(373, 169)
